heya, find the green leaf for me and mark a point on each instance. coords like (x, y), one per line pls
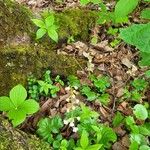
(134, 146)
(39, 23)
(5, 104)
(108, 135)
(56, 124)
(49, 21)
(17, 116)
(147, 73)
(30, 106)
(17, 95)
(40, 33)
(94, 147)
(73, 81)
(84, 141)
(145, 13)
(118, 119)
(123, 8)
(137, 35)
(90, 94)
(144, 147)
(53, 34)
(140, 112)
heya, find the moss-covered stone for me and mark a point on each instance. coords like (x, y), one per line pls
(14, 20)
(19, 54)
(16, 63)
(14, 139)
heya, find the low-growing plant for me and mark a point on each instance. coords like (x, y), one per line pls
(84, 143)
(16, 106)
(138, 134)
(47, 127)
(136, 90)
(46, 25)
(44, 86)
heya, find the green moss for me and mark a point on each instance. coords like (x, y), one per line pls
(14, 19)
(14, 139)
(76, 22)
(15, 65)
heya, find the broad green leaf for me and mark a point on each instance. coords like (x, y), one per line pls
(134, 146)
(5, 104)
(18, 94)
(30, 106)
(144, 147)
(145, 13)
(39, 23)
(145, 59)
(94, 147)
(138, 35)
(53, 34)
(17, 116)
(124, 7)
(108, 135)
(140, 112)
(40, 33)
(84, 141)
(49, 21)
(118, 119)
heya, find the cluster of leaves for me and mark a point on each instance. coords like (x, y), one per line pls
(139, 134)
(92, 135)
(44, 87)
(46, 25)
(97, 92)
(16, 106)
(136, 91)
(119, 15)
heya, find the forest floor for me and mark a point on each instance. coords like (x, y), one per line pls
(118, 61)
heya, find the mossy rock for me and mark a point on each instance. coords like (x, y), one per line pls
(14, 139)
(16, 20)
(17, 63)
(20, 54)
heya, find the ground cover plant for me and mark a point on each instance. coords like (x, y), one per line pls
(105, 105)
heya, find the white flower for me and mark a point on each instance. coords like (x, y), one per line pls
(73, 96)
(78, 118)
(73, 107)
(77, 101)
(71, 124)
(68, 110)
(66, 122)
(68, 99)
(75, 129)
(76, 87)
(67, 88)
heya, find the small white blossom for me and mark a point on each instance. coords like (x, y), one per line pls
(66, 122)
(73, 96)
(68, 99)
(73, 107)
(76, 87)
(78, 118)
(71, 124)
(67, 88)
(68, 110)
(75, 129)
(77, 101)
